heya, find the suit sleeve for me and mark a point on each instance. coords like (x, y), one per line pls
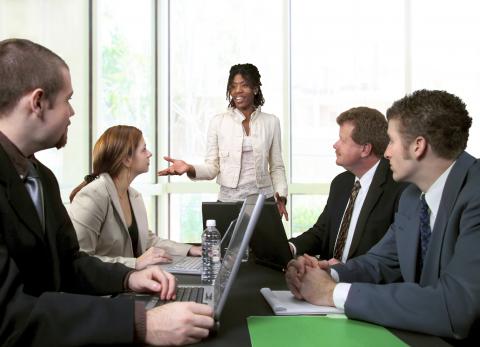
(88, 213)
(277, 168)
(211, 167)
(172, 247)
(447, 308)
(56, 318)
(313, 240)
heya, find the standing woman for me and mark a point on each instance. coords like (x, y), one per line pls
(243, 145)
(109, 216)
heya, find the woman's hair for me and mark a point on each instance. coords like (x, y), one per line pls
(113, 146)
(251, 75)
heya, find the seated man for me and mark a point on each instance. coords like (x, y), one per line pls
(45, 281)
(362, 200)
(423, 275)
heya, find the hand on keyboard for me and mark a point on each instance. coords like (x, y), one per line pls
(153, 255)
(178, 323)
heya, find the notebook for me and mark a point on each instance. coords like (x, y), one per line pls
(283, 303)
(269, 242)
(216, 295)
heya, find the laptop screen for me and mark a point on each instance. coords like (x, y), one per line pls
(242, 233)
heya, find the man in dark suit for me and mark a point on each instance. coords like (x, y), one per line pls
(45, 281)
(359, 149)
(423, 275)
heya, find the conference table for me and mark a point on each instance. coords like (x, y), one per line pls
(245, 300)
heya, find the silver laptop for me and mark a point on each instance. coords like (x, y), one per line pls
(186, 265)
(216, 295)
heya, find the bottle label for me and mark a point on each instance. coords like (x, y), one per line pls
(216, 253)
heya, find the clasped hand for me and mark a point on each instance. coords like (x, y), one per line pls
(309, 279)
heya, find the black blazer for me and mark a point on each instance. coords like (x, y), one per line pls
(41, 272)
(375, 217)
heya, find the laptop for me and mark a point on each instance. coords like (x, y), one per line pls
(216, 295)
(269, 242)
(186, 265)
(223, 213)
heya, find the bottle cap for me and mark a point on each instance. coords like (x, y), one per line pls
(211, 223)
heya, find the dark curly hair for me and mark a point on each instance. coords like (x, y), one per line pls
(370, 126)
(440, 117)
(250, 73)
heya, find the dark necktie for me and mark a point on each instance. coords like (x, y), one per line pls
(425, 231)
(343, 232)
(34, 188)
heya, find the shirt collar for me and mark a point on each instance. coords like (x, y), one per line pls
(238, 115)
(20, 162)
(434, 193)
(367, 177)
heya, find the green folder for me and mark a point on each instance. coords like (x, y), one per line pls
(304, 331)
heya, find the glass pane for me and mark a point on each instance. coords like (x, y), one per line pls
(207, 38)
(446, 52)
(186, 216)
(343, 54)
(125, 70)
(20, 19)
(305, 211)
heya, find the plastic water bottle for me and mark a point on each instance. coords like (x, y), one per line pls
(210, 252)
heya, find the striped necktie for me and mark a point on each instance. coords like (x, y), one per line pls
(343, 232)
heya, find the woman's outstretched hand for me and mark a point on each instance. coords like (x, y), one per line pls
(177, 167)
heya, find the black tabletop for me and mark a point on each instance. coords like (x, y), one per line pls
(245, 300)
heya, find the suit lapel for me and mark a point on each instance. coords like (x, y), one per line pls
(453, 186)
(138, 210)
(407, 234)
(18, 197)
(341, 192)
(112, 191)
(51, 221)
(374, 193)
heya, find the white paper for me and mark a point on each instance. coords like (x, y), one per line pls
(283, 303)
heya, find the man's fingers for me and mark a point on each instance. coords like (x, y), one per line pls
(201, 309)
(198, 333)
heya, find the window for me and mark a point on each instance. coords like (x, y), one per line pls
(62, 23)
(163, 67)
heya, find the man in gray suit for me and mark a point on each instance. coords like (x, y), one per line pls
(424, 274)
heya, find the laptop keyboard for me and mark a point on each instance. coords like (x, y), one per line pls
(186, 263)
(190, 294)
(183, 294)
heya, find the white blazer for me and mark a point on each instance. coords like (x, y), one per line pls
(224, 150)
(101, 228)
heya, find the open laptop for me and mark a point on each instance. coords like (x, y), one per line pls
(223, 213)
(187, 265)
(216, 295)
(269, 242)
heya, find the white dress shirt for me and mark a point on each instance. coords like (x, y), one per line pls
(433, 197)
(365, 183)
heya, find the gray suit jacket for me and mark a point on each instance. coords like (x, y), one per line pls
(445, 300)
(101, 229)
